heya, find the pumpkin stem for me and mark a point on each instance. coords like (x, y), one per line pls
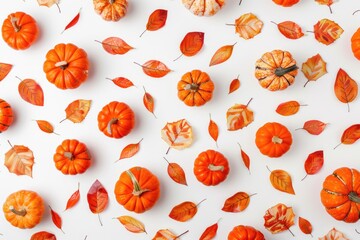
(214, 168)
(192, 87)
(276, 140)
(354, 197)
(13, 21)
(62, 64)
(111, 1)
(111, 122)
(21, 212)
(282, 71)
(137, 189)
(69, 155)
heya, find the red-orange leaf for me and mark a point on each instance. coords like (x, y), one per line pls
(346, 89)
(74, 199)
(184, 211)
(176, 173)
(279, 218)
(56, 219)
(210, 232)
(77, 110)
(122, 82)
(4, 70)
(326, 2)
(237, 202)
(290, 29)
(45, 126)
(130, 150)
(31, 92)
(148, 102)
(157, 20)
(213, 130)
(234, 85)
(327, 31)
(245, 158)
(239, 116)
(314, 163)
(43, 236)
(281, 180)
(314, 68)
(222, 54)
(350, 135)
(288, 108)
(72, 22)
(248, 26)
(334, 234)
(191, 44)
(154, 68)
(314, 127)
(305, 226)
(115, 45)
(97, 198)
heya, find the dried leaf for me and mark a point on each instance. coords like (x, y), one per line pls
(49, 3)
(154, 68)
(115, 45)
(350, 135)
(288, 108)
(97, 198)
(19, 160)
(213, 130)
(314, 127)
(184, 211)
(245, 158)
(326, 2)
(334, 234)
(222, 54)
(77, 110)
(210, 232)
(236, 203)
(305, 226)
(248, 26)
(131, 224)
(4, 70)
(279, 218)
(31, 92)
(130, 150)
(148, 102)
(56, 219)
(122, 82)
(166, 234)
(74, 199)
(239, 116)
(314, 68)
(177, 134)
(45, 126)
(327, 31)
(234, 85)
(73, 22)
(43, 236)
(314, 163)
(346, 89)
(281, 180)
(191, 44)
(157, 20)
(290, 29)
(176, 173)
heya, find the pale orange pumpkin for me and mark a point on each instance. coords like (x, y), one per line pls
(203, 7)
(111, 10)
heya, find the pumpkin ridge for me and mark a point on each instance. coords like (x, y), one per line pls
(266, 63)
(341, 180)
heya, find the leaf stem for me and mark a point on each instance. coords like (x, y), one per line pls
(181, 234)
(357, 231)
(249, 102)
(337, 145)
(274, 22)
(178, 57)
(101, 224)
(268, 168)
(304, 177)
(348, 106)
(356, 12)
(167, 151)
(229, 24)
(306, 83)
(201, 202)
(330, 9)
(58, 7)
(240, 2)
(142, 33)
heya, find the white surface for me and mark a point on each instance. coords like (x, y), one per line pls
(163, 45)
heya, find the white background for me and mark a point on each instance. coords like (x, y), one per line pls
(163, 45)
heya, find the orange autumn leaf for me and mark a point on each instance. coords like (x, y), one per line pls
(222, 54)
(122, 82)
(248, 26)
(213, 130)
(314, 127)
(314, 68)
(157, 20)
(334, 234)
(350, 135)
(345, 88)
(184, 211)
(326, 2)
(131, 224)
(49, 3)
(290, 29)
(239, 116)
(4, 70)
(191, 44)
(97, 198)
(77, 110)
(56, 219)
(281, 180)
(154, 68)
(327, 31)
(234, 85)
(74, 199)
(245, 158)
(176, 173)
(210, 232)
(19, 160)
(166, 234)
(148, 102)
(31, 92)
(130, 150)
(115, 45)
(236, 203)
(43, 235)
(177, 134)
(314, 163)
(305, 226)
(45, 126)
(279, 218)
(288, 108)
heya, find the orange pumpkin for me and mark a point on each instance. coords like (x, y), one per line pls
(355, 44)
(72, 157)
(116, 119)
(19, 30)
(66, 66)
(195, 88)
(341, 194)
(211, 168)
(111, 10)
(6, 115)
(137, 189)
(273, 139)
(286, 3)
(203, 7)
(276, 70)
(241, 232)
(24, 209)
(43, 236)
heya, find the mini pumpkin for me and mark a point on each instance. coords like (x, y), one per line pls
(276, 70)
(43, 235)
(137, 189)
(24, 209)
(341, 194)
(72, 157)
(355, 44)
(116, 119)
(273, 139)
(195, 88)
(241, 232)
(66, 66)
(203, 7)
(6, 115)
(211, 167)
(19, 30)
(286, 3)
(111, 10)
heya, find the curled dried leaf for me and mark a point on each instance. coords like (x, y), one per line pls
(314, 68)
(213, 130)
(56, 219)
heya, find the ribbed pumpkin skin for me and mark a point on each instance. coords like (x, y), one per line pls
(6, 115)
(341, 194)
(245, 233)
(203, 7)
(286, 3)
(355, 44)
(111, 10)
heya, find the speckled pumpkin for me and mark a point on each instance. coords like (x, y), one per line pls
(111, 10)
(203, 7)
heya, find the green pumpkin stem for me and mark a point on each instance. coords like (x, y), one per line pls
(282, 71)
(137, 188)
(354, 197)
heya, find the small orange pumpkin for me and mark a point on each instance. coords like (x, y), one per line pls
(355, 44)
(6, 115)
(24, 209)
(241, 232)
(72, 157)
(276, 70)
(273, 139)
(19, 30)
(195, 88)
(286, 3)
(116, 119)
(43, 235)
(137, 189)
(66, 66)
(211, 168)
(203, 7)
(111, 10)
(341, 194)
